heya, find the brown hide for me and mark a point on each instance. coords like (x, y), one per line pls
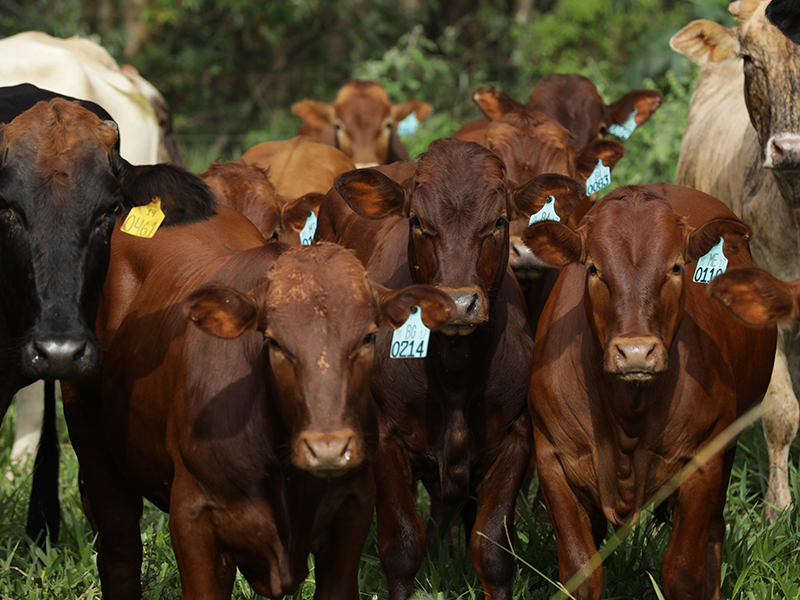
(254, 427)
(361, 122)
(635, 368)
(454, 420)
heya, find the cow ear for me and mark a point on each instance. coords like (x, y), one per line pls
(608, 151)
(644, 102)
(294, 213)
(185, 197)
(699, 241)
(438, 308)
(221, 311)
(555, 244)
(314, 112)
(400, 111)
(755, 296)
(494, 104)
(372, 194)
(531, 197)
(706, 43)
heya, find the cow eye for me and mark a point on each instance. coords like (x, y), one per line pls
(273, 343)
(592, 271)
(369, 339)
(274, 237)
(677, 269)
(501, 224)
(413, 221)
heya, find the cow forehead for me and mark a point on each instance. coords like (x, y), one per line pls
(368, 91)
(321, 283)
(458, 176)
(635, 227)
(58, 127)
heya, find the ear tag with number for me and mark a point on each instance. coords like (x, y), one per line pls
(408, 125)
(143, 221)
(410, 340)
(711, 264)
(546, 213)
(624, 130)
(309, 229)
(600, 178)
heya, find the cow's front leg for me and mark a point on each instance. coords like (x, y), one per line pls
(492, 539)
(401, 536)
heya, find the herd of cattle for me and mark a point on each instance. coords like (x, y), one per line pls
(282, 346)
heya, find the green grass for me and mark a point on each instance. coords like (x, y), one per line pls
(759, 560)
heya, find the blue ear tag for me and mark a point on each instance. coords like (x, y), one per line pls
(410, 340)
(408, 125)
(546, 213)
(308, 231)
(600, 178)
(624, 130)
(710, 265)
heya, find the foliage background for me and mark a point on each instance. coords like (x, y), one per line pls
(232, 69)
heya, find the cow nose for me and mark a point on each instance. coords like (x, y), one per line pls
(60, 357)
(523, 261)
(328, 454)
(784, 151)
(636, 359)
(468, 306)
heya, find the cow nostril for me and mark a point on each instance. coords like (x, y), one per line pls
(474, 305)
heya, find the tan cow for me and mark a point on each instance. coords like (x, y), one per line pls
(361, 122)
(744, 148)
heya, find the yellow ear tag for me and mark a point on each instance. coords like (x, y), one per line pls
(142, 221)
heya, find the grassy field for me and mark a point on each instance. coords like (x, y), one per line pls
(759, 560)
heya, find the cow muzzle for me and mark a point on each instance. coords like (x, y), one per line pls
(472, 309)
(60, 357)
(636, 360)
(330, 454)
(526, 264)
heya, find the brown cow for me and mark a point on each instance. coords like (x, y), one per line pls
(361, 122)
(248, 188)
(573, 101)
(742, 145)
(456, 419)
(635, 369)
(62, 184)
(257, 438)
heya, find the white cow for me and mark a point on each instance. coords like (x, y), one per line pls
(80, 68)
(742, 145)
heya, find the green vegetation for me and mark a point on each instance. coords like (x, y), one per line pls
(759, 560)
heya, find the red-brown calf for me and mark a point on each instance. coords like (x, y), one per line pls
(234, 394)
(635, 369)
(456, 419)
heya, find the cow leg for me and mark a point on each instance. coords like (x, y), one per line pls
(205, 573)
(716, 535)
(573, 527)
(336, 562)
(401, 536)
(696, 533)
(115, 509)
(30, 415)
(493, 533)
(780, 420)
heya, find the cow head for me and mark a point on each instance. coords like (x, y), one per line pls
(530, 144)
(458, 204)
(573, 101)
(319, 313)
(364, 119)
(771, 65)
(62, 185)
(756, 297)
(635, 249)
